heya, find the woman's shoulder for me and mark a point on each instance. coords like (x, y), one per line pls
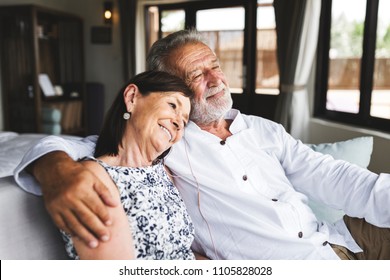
(95, 166)
(91, 163)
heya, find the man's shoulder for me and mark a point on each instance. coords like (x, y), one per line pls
(253, 120)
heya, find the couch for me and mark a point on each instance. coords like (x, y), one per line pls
(27, 232)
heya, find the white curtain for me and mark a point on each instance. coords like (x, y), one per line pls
(296, 101)
(300, 102)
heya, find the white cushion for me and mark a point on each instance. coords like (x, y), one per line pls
(357, 150)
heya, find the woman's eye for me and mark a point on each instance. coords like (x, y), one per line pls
(173, 105)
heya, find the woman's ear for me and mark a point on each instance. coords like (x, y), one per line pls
(130, 96)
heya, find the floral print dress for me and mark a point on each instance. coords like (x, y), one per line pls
(160, 224)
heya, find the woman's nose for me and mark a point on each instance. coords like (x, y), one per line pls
(178, 122)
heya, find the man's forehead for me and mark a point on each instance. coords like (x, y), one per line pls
(206, 61)
(192, 57)
(195, 51)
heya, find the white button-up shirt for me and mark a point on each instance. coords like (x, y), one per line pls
(247, 196)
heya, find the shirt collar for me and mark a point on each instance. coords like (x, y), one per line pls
(237, 125)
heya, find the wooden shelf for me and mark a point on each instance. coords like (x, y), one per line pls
(39, 40)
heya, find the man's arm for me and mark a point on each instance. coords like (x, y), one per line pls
(74, 197)
(121, 245)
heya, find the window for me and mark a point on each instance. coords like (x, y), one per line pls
(224, 35)
(267, 77)
(226, 38)
(353, 64)
(243, 35)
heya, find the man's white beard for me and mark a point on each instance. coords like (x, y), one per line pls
(206, 112)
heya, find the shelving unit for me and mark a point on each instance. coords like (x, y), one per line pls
(36, 40)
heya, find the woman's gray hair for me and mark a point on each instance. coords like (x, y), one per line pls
(161, 50)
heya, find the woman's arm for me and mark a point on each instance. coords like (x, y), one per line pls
(120, 245)
(200, 257)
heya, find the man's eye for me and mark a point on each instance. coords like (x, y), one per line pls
(197, 77)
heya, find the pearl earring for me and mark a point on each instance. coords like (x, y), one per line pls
(126, 116)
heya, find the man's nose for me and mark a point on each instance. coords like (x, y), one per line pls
(213, 78)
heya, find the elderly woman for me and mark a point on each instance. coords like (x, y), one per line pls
(151, 222)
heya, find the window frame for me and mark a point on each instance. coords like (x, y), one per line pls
(190, 9)
(248, 101)
(362, 118)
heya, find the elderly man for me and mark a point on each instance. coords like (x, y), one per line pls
(245, 181)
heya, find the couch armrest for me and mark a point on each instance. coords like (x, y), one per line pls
(26, 230)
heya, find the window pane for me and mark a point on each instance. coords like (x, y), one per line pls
(267, 76)
(226, 37)
(380, 100)
(345, 55)
(172, 21)
(265, 1)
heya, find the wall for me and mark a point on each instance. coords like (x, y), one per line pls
(102, 62)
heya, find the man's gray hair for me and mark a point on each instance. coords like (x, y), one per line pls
(161, 50)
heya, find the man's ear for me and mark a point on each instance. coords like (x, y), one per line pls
(130, 96)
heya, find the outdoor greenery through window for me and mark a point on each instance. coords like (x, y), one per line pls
(354, 63)
(380, 101)
(267, 77)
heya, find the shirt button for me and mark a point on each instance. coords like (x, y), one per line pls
(300, 234)
(222, 142)
(244, 177)
(274, 199)
(325, 243)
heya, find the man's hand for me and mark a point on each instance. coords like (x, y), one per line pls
(74, 197)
